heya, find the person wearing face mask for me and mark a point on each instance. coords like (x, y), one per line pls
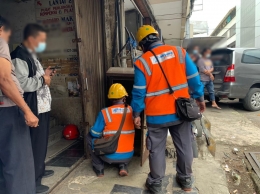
(206, 68)
(35, 82)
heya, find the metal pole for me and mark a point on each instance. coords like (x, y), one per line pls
(123, 38)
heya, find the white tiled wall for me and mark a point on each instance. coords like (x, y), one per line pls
(247, 23)
(257, 24)
(238, 24)
(257, 42)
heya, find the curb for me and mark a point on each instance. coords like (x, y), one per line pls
(254, 177)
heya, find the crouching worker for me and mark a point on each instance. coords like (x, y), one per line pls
(109, 121)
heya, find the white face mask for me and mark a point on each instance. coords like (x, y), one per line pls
(208, 56)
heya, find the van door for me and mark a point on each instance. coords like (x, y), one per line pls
(248, 72)
(221, 59)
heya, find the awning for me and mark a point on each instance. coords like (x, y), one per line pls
(169, 15)
(202, 42)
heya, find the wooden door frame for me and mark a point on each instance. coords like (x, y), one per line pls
(88, 94)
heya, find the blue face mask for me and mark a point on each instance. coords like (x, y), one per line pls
(195, 52)
(41, 47)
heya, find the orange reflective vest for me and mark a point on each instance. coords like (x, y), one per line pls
(113, 116)
(158, 101)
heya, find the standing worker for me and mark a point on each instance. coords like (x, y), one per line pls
(35, 83)
(150, 92)
(107, 124)
(16, 157)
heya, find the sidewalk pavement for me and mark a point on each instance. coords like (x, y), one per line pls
(209, 179)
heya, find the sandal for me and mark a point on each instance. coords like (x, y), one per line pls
(217, 107)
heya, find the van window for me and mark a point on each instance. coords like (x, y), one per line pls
(251, 56)
(221, 59)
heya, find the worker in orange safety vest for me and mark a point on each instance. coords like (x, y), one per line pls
(151, 94)
(107, 124)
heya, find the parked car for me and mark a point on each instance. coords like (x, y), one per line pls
(237, 75)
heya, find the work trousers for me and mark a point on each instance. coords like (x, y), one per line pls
(182, 137)
(98, 161)
(15, 153)
(39, 139)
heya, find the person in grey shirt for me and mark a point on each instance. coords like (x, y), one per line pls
(206, 68)
(16, 158)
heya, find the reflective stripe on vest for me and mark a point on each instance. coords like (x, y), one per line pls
(108, 116)
(180, 54)
(158, 101)
(167, 90)
(114, 132)
(113, 116)
(146, 66)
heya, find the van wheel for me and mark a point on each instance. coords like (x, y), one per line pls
(252, 100)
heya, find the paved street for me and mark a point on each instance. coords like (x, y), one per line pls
(209, 179)
(232, 127)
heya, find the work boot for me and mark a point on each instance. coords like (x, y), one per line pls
(123, 170)
(42, 189)
(99, 173)
(185, 183)
(154, 188)
(48, 173)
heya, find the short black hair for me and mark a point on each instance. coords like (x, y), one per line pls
(5, 24)
(148, 40)
(32, 30)
(205, 50)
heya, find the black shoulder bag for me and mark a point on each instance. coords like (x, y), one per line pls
(186, 108)
(109, 145)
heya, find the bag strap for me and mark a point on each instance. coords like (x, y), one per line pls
(122, 122)
(169, 86)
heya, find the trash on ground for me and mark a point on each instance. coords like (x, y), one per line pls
(235, 191)
(235, 151)
(226, 168)
(236, 178)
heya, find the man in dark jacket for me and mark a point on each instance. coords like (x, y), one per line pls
(35, 83)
